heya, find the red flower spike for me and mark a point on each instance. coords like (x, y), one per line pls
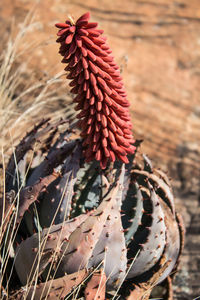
(95, 77)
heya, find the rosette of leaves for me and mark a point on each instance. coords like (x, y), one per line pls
(74, 221)
(114, 233)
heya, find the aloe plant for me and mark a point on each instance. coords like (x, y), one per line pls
(85, 219)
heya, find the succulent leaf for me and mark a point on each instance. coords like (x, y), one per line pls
(82, 241)
(30, 194)
(163, 189)
(56, 203)
(26, 144)
(148, 167)
(142, 291)
(87, 189)
(132, 209)
(172, 249)
(151, 249)
(37, 250)
(54, 288)
(22, 148)
(96, 287)
(52, 161)
(111, 247)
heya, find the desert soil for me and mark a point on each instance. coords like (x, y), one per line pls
(157, 45)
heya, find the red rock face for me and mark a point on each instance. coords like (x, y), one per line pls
(104, 117)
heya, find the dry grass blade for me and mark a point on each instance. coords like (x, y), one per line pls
(23, 98)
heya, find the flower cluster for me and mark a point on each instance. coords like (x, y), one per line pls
(104, 117)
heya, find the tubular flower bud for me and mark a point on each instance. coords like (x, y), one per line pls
(95, 78)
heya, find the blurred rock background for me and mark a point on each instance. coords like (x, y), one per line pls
(157, 45)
